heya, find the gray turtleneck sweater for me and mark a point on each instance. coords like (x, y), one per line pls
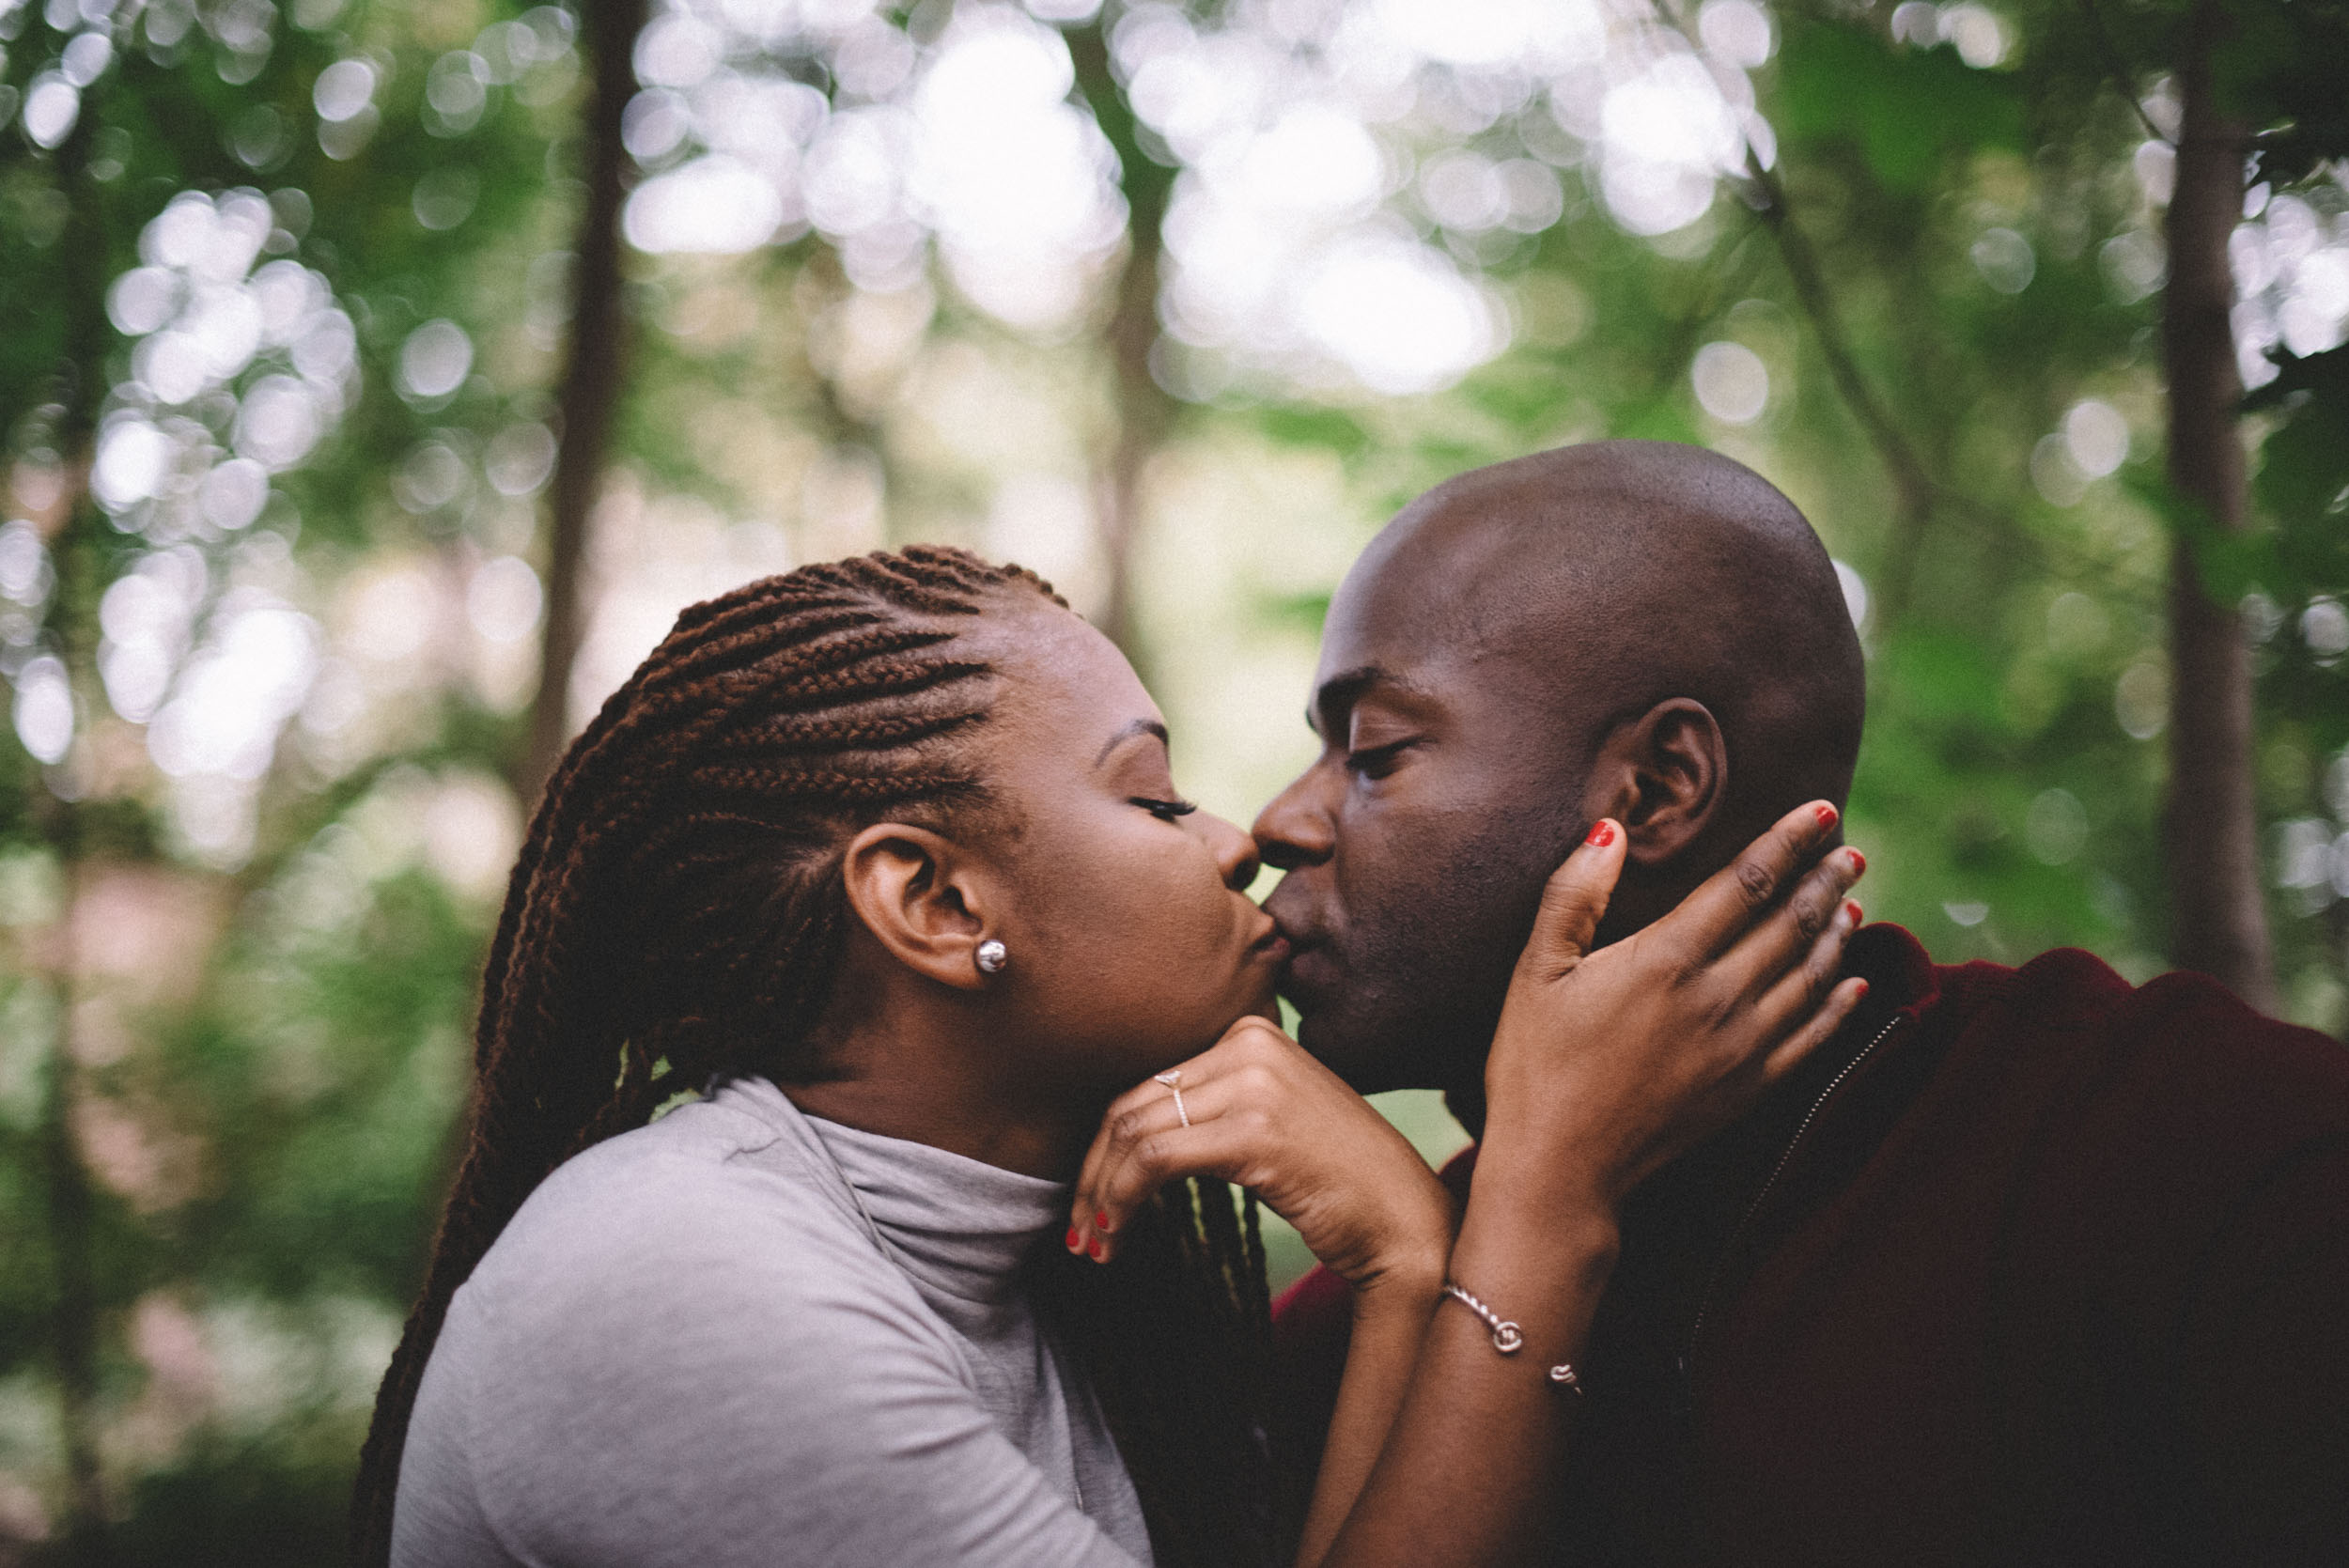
(746, 1336)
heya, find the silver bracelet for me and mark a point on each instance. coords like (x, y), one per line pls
(1508, 1338)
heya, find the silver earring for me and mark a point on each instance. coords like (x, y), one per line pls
(991, 957)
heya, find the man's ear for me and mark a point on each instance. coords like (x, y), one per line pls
(919, 897)
(1663, 776)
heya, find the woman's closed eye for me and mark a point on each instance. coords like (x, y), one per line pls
(1165, 811)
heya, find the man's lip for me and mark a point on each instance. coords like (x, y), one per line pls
(1297, 942)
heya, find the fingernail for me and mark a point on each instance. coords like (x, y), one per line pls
(1602, 834)
(1096, 1250)
(1851, 907)
(1828, 815)
(1072, 1238)
(1100, 1220)
(1859, 860)
(1863, 992)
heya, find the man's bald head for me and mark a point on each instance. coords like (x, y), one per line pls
(1621, 574)
(1631, 628)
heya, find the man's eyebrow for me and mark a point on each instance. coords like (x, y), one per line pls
(1140, 726)
(1339, 692)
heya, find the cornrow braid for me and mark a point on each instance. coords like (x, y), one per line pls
(1174, 1338)
(677, 914)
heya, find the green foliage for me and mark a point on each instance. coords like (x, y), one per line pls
(2281, 66)
(2303, 479)
(1909, 112)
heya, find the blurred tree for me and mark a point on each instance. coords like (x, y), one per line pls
(594, 375)
(2218, 917)
(188, 371)
(1144, 412)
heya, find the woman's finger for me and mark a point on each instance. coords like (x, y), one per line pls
(1790, 1000)
(1096, 1223)
(1152, 1146)
(1248, 1055)
(1833, 1015)
(1082, 1222)
(1573, 900)
(1243, 1041)
(1786, 939)
(1727, 903)
(1214, 1148)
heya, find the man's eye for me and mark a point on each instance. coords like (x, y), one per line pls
(1376, 762)
(1165, 811)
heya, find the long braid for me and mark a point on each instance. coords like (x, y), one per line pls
(677, 914)
(1176, 1341)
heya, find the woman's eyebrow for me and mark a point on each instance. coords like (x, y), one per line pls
(1140, 726)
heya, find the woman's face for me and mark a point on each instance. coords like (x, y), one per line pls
(1133, 942)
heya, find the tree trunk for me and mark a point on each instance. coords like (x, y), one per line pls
(76, 555)
(2218, 921)
(1145, 412)
(69, 1213)
(589, 392)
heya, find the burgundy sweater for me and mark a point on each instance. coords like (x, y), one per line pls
(2028, 1266)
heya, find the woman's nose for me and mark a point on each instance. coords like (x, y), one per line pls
(1234, 851)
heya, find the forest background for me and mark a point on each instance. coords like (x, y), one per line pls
(378, 377)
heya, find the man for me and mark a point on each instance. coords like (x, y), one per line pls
(2027, 1266)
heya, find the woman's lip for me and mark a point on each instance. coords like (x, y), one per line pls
(1271, 945)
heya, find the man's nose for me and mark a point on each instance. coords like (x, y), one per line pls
(1295, 830)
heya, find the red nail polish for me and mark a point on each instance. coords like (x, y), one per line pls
(1863, 992)
(1072, 1238)
(1828, 815)
(1100, 1220)
(1602, 834)
(1859, 860)
(1096, 1250)
(1851, 906)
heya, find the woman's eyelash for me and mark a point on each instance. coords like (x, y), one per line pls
(1165, 811)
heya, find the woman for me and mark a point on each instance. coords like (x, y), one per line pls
(885, 859)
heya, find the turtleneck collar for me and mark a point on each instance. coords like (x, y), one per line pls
(959, 1227)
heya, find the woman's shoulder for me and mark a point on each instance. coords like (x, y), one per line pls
(688, 1347)
(722, 1200)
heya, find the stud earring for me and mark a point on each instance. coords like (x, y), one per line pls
(991, 957)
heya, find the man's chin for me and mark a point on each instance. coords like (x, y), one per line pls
(1374, 1060)
(1322, 1030)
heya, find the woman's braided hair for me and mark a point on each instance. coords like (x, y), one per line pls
(676, 916)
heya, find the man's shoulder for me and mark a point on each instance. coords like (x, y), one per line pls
(2179, 1035)
(2166, 1098)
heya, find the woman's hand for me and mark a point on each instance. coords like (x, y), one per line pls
(1607, 1064)
(1262, 1114)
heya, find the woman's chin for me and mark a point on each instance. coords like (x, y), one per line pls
(1264, 1001)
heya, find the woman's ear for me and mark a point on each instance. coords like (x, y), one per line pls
(921, 900)
(1663, 776)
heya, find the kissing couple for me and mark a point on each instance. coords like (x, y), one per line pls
(878, 1086)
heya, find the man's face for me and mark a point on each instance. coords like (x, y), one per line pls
(1416, 846)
